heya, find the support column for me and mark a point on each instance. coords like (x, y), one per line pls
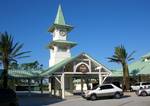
(100, 77)
(81, 83)
(50, 86)
(41, 86)
(29, 87)
(63, 86)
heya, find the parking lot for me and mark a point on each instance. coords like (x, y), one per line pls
(130, 99)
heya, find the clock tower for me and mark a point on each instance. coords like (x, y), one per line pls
(59, 47)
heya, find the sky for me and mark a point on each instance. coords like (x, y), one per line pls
(99, 26)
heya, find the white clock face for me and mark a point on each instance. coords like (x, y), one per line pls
(62, 33)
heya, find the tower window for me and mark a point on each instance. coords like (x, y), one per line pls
(62, 50)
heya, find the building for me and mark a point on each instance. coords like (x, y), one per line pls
(64, 68)
(138, 70)
(66, 73)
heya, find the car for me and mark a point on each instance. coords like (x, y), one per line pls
(143, 91)
(139, 85)
(105, 90)
(8, 97)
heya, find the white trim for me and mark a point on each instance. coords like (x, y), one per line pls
(100, 76)
(74, 67)
(98, 63)
(104, 78)
(80, 64)
(106, 73)
(63, 85)
(50, 86)
(58, 80)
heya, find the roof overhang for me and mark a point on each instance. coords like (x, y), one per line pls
(62, 43)
(67, 27)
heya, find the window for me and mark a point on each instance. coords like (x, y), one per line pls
(106, 87)
(145, 83)
(95, 87)
(137, 84)
(62, 49)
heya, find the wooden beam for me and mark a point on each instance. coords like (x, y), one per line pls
(58, 80)
(29, 87)
(50, 86)
(41, 85)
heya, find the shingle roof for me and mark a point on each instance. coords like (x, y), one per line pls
(138, 67)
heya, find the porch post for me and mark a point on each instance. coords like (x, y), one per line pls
(81, 83)
(63, 85)
(41, 86)
(50, 86)
(100, 77)
(29, 87)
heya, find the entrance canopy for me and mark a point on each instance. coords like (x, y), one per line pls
(73, 64)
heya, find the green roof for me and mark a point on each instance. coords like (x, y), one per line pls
(60, 17)
(146, 55)
(60, 22)
(116, 73)
(57, 66)
(62, 43)
(25, 73)
(139, 67)
(64, 62)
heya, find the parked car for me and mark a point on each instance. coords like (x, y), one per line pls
(104, 90)
(140, 85)
(8, 97)
(143, 92)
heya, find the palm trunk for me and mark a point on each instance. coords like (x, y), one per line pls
(126, 81)
(5, 73)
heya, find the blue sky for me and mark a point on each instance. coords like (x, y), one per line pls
(100, 25)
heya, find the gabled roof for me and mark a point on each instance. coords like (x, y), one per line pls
(61, 64)
(98, 63)
(138, 67)
(146, 55)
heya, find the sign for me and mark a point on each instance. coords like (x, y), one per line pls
(83, 68)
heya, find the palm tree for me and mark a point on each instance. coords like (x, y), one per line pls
(121, 56)
(9, 52)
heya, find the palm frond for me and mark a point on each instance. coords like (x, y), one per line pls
(22, 57)
(9, 49)
(120, 55)
(111, 59)
(130, 56)
(22, 53)
(130, 59)
(16, 49)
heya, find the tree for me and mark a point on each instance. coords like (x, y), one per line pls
(121, 56)
(32, 65)
(9, 52)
